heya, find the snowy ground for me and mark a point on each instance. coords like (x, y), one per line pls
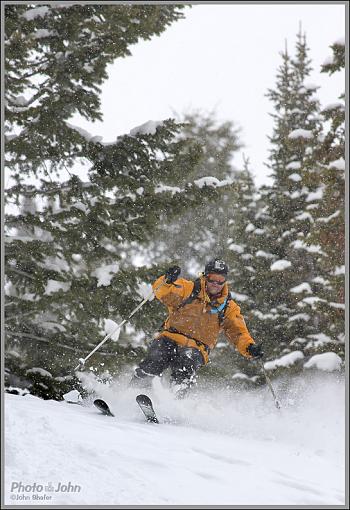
(229, 448)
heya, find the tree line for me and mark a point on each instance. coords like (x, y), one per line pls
(79, 245)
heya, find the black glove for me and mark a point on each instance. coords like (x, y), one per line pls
(172, 274)
(255, 350)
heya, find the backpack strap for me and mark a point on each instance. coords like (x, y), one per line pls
(221, 310)
(221, 313)
(195, 291)
(194, 294)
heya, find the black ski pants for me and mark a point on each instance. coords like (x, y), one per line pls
(163, 353)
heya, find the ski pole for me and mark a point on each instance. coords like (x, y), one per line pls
(82, 361)
(277, 404)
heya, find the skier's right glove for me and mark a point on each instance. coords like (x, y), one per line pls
(255, 350)
(172, 274)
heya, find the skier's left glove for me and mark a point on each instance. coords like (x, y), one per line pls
(255, 350)
(172, 274)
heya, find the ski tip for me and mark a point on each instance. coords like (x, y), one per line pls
(103, 407)
(99, 402)
(143, 399)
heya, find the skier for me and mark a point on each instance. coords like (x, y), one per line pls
(198, 311)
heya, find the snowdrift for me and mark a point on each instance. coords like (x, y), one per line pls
(219, 448)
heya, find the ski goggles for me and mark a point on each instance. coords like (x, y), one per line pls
(217, 281)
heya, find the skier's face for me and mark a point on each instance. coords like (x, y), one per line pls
(214, 283)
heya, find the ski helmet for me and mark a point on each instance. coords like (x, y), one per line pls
(216, 266)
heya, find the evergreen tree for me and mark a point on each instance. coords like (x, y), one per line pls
(244, 213)
(287, 277)
(244, 241)
(56, 59)
(68, 244)
(329, 220)
(203, 231)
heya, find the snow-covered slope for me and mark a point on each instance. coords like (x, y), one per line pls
(227, 448)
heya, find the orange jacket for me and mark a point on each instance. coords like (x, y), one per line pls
(194, 320)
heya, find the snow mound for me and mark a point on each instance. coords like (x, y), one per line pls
(338, 164)
(37, 370)
(303, 287)
(208, 453)
(105, 274)
(280, 265)
(300, 133)
(148, 128)
(211, 181)
(285, 361)
(328, 361)
(294, 177)
(163, 188)
(36, 12)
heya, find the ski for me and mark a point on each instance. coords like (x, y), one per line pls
(103, 407)
(146, 407)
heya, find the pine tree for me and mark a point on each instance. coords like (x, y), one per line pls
(329, 220)
(56, 56)
(287, 277)
(68, 244)
(244, 213)
(244, 241)
(203, 231)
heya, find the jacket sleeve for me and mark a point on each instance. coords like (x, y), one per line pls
(172, 295)
(236, 330)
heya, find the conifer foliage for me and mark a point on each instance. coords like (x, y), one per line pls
(89, 223)
(68, 241)
(286, 276)
(328, 228)
(204, 229)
